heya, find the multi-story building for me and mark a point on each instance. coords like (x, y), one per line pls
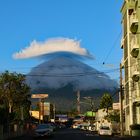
(130, 43)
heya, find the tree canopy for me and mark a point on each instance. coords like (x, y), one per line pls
(14, 93)
(106, 101)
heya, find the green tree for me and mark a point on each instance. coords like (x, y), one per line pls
(113, 116)
(106, 101)
(14, 93)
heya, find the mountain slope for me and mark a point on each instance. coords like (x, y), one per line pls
(61, 71)
(61, 77)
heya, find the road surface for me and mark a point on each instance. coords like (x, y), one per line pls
(74, 134)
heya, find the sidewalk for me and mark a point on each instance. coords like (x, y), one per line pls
(128, 137)
(12, 135)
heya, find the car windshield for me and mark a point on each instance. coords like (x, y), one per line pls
(105, 128)
(43, 126)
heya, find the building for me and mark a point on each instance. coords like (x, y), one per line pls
(44, 112)
(130, 43)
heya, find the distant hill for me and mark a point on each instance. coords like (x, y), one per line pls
(62, 77)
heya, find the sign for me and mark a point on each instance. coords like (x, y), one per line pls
(116, 106)
(35, 114)
(46, 108)
(39, 96)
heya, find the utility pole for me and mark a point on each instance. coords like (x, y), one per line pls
(54, 112)
(39, 111)
(121, 103)
(92, 120)
(42, 112)
(92, 108)
(78, 102)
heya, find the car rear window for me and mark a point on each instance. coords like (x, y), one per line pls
(42, 126)
(105, 128)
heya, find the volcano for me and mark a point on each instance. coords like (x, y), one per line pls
(61, 77)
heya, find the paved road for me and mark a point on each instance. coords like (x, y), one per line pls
(72, 134)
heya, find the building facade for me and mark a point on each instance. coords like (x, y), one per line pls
(130, 44)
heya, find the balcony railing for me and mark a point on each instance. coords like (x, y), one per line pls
(135, 73)
(135, 50)
(133, 23)
(134, 46)
(136, 95)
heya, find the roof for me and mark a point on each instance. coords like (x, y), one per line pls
(90, 114)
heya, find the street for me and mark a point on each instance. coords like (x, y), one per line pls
(73, 134)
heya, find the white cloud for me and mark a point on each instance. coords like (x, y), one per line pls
(54, 45)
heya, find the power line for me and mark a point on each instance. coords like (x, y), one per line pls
(112, 47)
(80, 73)
(100, 74)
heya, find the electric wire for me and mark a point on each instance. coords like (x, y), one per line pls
(81, 74)
(113, 46)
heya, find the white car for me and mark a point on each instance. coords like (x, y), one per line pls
(105, 130)
(43, 130)
(76, 125)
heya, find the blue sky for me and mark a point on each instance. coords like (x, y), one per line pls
(95, 24)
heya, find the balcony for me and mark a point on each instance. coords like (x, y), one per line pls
(136, 98)
(133, 23)
(136, 76)
(137, 101)
(135, 50)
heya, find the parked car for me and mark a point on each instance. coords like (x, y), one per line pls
(105, 130)
(43, 130)
(53, 126)
(91, 127)
(76, 125)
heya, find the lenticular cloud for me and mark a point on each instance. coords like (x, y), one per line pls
(36, 49)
